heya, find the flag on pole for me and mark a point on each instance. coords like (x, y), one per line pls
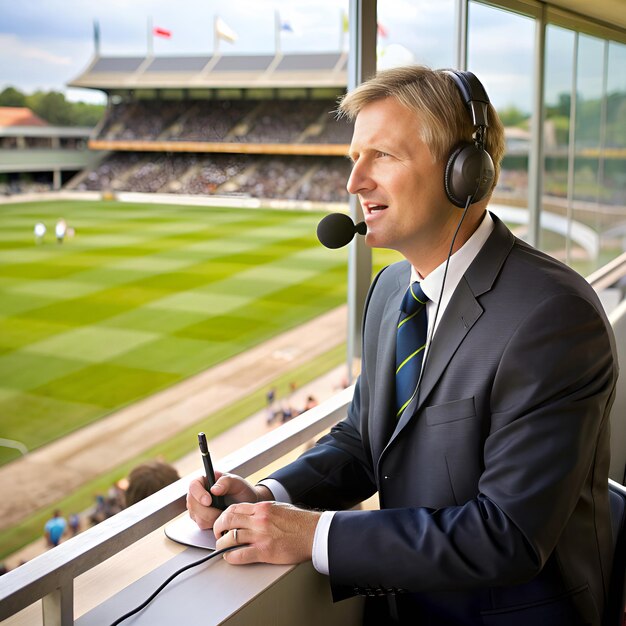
(344, 22)
(96, 36)
(381, 30)
(161, 32)
(223, 31)
(286, 26)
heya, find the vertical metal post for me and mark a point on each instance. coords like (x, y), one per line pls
(58, 606)
(536, 153)
(602, 147)
(461, 34)
(571, 150)
(361, 65)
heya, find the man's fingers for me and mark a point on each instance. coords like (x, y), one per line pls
(198, 492)
(235, 516)
(226, 483)
(234, 537)
(202, 523)
(242, 556)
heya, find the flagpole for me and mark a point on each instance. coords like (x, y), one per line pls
(96, 37)
(277, 31)
(150, 38)
(216, 39)
(341, 30)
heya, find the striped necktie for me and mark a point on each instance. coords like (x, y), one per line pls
(410, 344)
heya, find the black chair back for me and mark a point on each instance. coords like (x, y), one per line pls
(614, 612)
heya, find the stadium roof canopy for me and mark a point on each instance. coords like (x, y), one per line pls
(322, 69)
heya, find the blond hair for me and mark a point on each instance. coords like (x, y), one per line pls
(435, 98)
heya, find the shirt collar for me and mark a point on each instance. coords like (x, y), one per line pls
(459, 262)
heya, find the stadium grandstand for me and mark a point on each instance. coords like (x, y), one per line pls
(35, 155)
(260, 126)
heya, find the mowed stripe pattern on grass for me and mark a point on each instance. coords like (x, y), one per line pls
(140, 298)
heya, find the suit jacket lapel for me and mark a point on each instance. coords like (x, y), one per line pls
(460, 315)
(385, 383)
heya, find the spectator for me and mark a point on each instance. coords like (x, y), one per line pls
(107, 506)
(270, 397)
(74, 524)
(148, 478)
(55, 529)
(311, 401)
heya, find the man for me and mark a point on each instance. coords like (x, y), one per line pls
(492, 475)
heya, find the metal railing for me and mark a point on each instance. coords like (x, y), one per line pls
(608, 274)
(50, 577)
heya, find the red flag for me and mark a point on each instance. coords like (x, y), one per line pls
(161, 32)
(382, 31)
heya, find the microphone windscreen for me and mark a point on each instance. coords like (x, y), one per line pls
(336, 230)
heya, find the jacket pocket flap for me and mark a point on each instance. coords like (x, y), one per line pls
(450, 411)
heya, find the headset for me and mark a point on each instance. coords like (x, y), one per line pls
(470, 172)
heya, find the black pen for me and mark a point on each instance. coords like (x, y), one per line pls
(218, 501)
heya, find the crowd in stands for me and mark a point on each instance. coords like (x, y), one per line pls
(209, 120)
(210, 173)
(320, 179)
(332, 131)
(275, 177)
(249, 121)
(110, 173)
(327, 183)
(144, 119)
(273, 121)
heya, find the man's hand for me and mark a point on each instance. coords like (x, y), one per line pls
(276, 532)
(235, 489)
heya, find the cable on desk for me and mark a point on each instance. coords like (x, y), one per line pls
(204, 559)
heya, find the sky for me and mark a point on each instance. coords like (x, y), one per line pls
(44, 44)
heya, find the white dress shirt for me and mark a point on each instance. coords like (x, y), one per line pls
(431, 286)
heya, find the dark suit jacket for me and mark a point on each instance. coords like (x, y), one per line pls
(493, 484)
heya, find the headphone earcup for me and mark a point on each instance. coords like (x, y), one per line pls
(469, 173)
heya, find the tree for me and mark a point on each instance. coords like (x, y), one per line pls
(52, 107)
(84, 114)
(512, 116)
(11, 97)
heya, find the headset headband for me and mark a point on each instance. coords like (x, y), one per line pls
(473, 94)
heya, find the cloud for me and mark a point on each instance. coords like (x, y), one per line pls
(12, 47)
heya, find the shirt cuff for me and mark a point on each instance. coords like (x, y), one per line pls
(278, 491)
(320, 543)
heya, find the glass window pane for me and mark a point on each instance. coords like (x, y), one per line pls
(612, 176)
(559, 67)
(416, 31)
(508, 79)
(583, 250)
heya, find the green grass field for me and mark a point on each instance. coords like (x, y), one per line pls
(140, 298)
